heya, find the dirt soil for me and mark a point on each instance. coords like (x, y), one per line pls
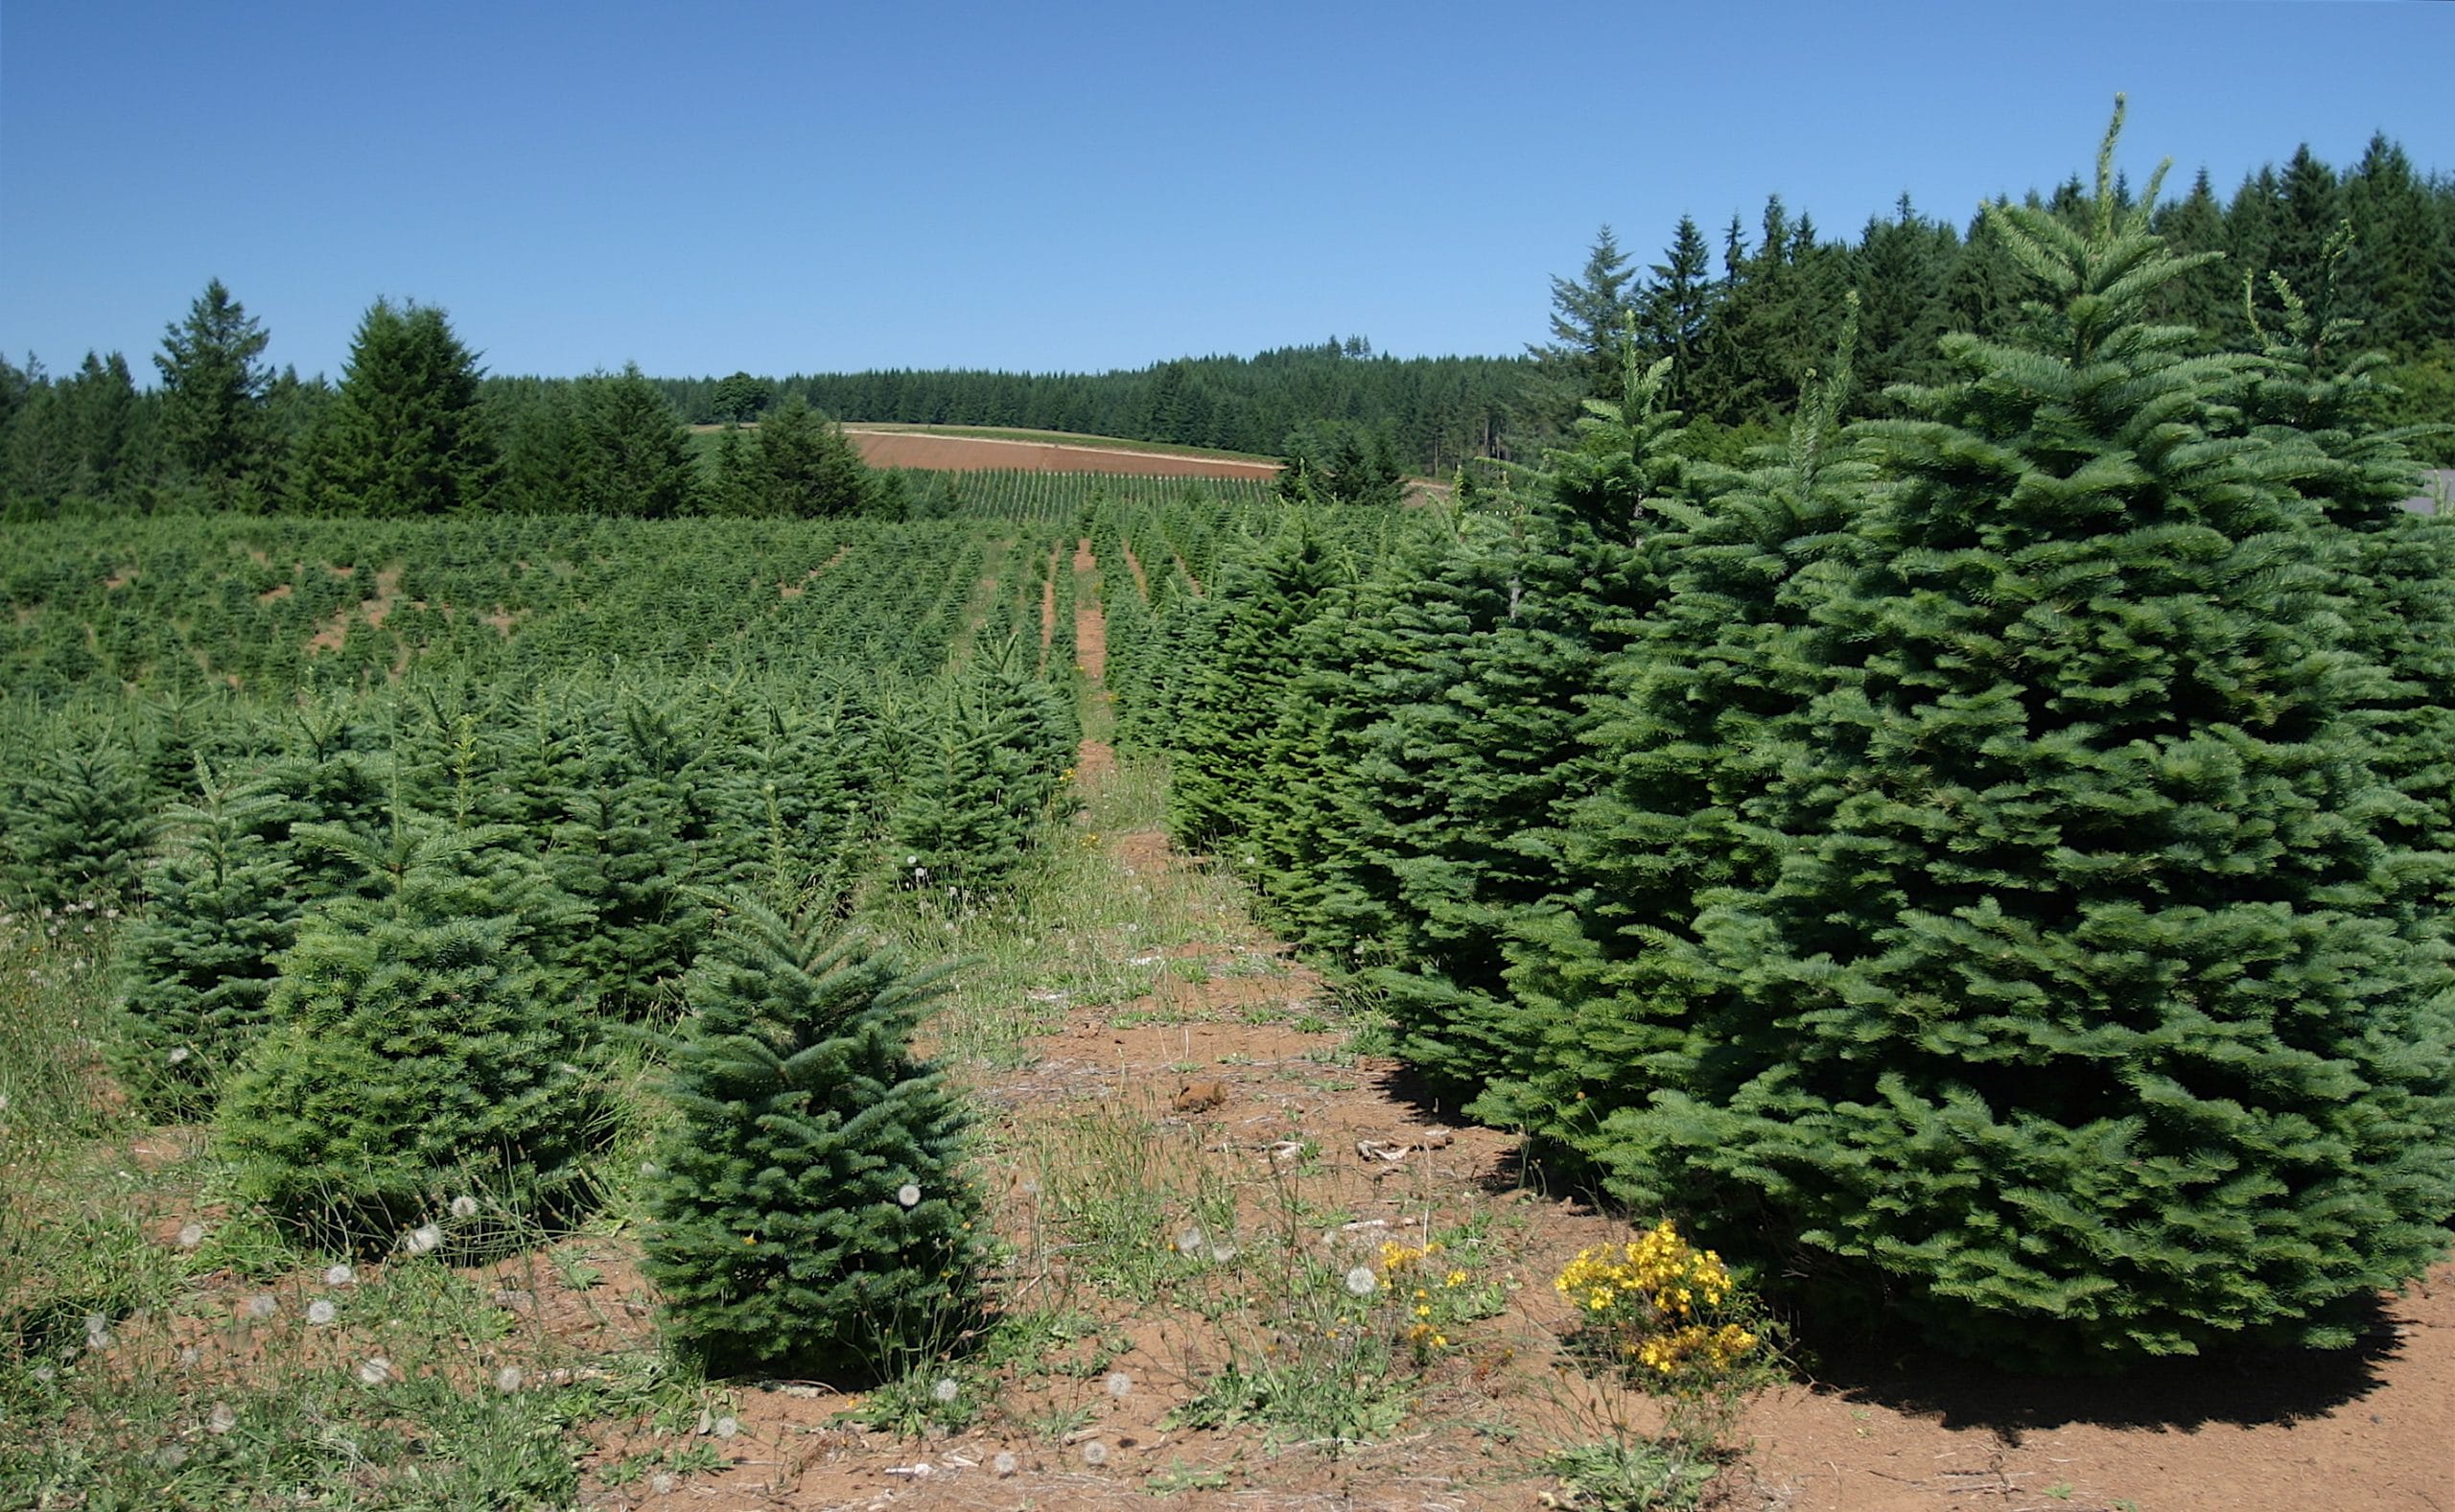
(961, 453)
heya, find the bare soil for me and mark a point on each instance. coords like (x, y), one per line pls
(960, 453)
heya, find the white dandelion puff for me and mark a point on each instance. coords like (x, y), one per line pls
(1119, 1384)
(321, 1311)
(1362, 1281)
(339, 1276)
(1223, 1253)
(464, 1208)
(908, 1195)
(375, 1370)
(663, 1483)
(189, 1356)
(509, 1378)
(223, 1419)
(1095, 1454)
(1005, 1464)
(191, 1236)
(262, 1306)
(179, 1055)
(422, 1239)
(1192, 1241)
(727, 1427)
(947, 1389)
(171, 1456)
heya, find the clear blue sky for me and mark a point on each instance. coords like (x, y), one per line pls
(1047, 187)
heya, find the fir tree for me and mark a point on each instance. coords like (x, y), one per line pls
(809, 1206)
(810, 471)
(213, 392)
(418, 1053)
(406, 435)
(202, 956)
(2082, 1009)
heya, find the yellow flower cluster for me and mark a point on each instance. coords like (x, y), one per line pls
(1653, 1292)
(1396, 1257)
(1695, 1347)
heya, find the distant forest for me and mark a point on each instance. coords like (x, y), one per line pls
(1744, 316)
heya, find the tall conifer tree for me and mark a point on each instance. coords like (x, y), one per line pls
(2083, 1009)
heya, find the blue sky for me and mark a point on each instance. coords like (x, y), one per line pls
(1060, 187)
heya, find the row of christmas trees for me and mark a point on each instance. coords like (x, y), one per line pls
(1990, 865)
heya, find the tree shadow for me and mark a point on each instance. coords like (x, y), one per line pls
(1519, 1168)
(2245, 1386)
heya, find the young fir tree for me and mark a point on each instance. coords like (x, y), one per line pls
(2084, 1011)
(1233, 682)
(202, 955)
(1483, 664)
(808, 1209)
(1690, 726)
(978, 789)
(418, 1053)
(2320, 402)
(79, 824)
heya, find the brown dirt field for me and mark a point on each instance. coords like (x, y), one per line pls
(984, 454)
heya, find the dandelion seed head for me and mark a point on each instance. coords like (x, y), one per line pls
(1362, 1281)
(1223, 1253)
(262, 1305)
(464, 1208)
(947, 1389)
(375, 1370)
(1095, 1454)
(339, 1276)
(727, 1427)
(1005, 1464)
(909, 1194)
(321, 1311)
(663, 1483)
(224, 1418)
(179, 1055)
(1119, 1384)
(191, 1236)
(171, 1456)
(422, 1239)
(510, 1377)
(189, 1356)
(1192, 1241)
(45, 1374)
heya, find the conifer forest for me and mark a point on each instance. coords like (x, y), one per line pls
(566, 941)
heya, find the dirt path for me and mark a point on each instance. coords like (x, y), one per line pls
(1091, 619)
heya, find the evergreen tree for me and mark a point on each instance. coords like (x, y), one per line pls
(417, 1053)
(80, 825)
(1678, 306)
(978, 789)
(811, 470)
(202, 956)
(632, 455)
(735, 488)
(406, 435)
(809, 1206)
(213, 392)
(2082, 1010)
(1588, 314)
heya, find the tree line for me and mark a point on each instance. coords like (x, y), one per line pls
(2369, 250)
(413, 427)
